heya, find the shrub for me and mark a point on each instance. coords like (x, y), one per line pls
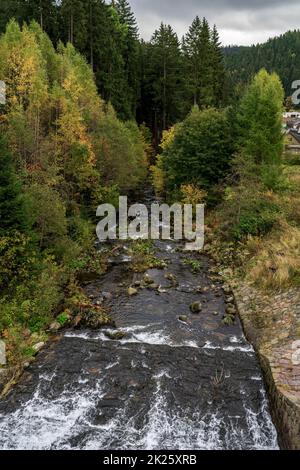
(200, 151)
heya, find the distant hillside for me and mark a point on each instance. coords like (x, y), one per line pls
(280, 54)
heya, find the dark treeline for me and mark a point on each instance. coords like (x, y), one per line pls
(280, 55)
(155, 82)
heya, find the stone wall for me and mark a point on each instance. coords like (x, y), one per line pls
(272, 324)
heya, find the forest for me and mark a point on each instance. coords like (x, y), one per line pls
(279, 54)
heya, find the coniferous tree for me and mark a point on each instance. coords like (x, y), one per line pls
(130, 54)
(163, 79)
(12, 208)
(218, 68)
(198, 50)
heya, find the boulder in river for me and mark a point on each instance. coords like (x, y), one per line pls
(230, 309)
(183, 318)
(132, 291)
(115, 335)
(196, 307)
(38, 346)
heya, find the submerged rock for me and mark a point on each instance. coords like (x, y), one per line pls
(196, 307)
(230, 309)
(228, 320)
(183, 318)
(132, 291)
(148, 279)
(115, 335)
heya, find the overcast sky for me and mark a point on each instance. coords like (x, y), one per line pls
(241, 22)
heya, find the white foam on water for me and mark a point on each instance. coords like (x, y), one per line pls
(264, 437)
(41, 424)
(112, 365)
(143, 334)
(66, 423)
(246, 348)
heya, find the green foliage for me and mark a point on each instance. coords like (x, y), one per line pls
(256, 219)
(122, 158)
(194, 264)
(13, 208)
(279, 54)
(63, 318)
(200, 152)
(260, 120)
(49, 214)
(66, 152)
(34, 299)
(17, 259)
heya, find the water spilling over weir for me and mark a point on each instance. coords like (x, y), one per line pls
(166, 383)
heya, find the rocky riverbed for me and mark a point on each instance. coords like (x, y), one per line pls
(175, 373)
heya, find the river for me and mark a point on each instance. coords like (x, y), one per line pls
(167, 383)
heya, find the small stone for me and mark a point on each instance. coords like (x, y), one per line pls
(230, 310)
(171, 277)
(228, 320)
(132, 291)
(147, 279)
(153, 286)
(196, 307)
(183, 318)
(55, 326)
(115, 336)
(227, 289)
(161, 290)
(137, 283)
(215, 314)
(107, 295)
(229, 300)
(38, 346)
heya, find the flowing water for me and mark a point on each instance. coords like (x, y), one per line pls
(167, 384)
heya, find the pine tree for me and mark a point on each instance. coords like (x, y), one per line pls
(130, 54)
(12, 208)
(163, 79)
(198, 51)
(127, 17)
(218, 68)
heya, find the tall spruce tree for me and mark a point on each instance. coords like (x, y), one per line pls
(203, 64)
(163, 79)
(130, 54)
(218, 68)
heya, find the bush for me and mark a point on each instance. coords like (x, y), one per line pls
(199, 151)
(256, 220)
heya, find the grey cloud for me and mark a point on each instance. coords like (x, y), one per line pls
(239, 21)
